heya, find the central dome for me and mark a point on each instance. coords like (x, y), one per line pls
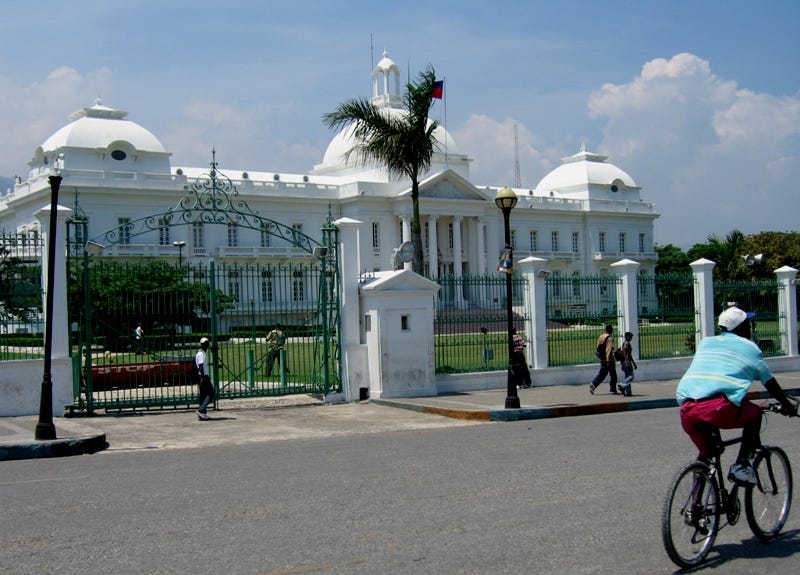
(344, 141)
(386, 97)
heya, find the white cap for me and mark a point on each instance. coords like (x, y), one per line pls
(733, 317)
(203, 340)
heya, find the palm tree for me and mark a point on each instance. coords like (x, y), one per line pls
(403, 143)
(725, 252)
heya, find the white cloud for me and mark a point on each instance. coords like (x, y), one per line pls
(490, 143)
(711, 156)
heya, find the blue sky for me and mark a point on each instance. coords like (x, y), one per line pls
(698, 100)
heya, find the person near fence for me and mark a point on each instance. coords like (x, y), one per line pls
(204, 379)
(138, 335)
(714, 390)
(519, 366)
(605, 353)
(627, 363)
(276, 341)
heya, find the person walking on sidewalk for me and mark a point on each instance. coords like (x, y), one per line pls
(627, 363)
(605, 353)
(519, 366)
(206, 387)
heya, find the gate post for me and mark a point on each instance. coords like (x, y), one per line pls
(627, 298)
(61, 368)
(703, 298)
(536, 306)
(787, 308)
(353, 356)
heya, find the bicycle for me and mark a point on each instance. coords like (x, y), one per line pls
(698, 498)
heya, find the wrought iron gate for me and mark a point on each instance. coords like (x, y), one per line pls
(235, 305)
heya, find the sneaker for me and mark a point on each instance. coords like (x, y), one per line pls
(620, 389)
(742, 474)
(201, 415)
(592, 388)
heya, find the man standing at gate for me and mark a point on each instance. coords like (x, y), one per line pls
(276, 341)
(206, 387)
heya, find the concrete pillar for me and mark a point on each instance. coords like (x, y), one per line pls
(703, 298)
(60, 319)
(627, 300)
(787, 309)
(349, 266)
(536, 305)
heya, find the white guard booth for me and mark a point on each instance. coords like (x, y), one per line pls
(398, 314)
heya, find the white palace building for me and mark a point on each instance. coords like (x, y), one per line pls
(583, 216)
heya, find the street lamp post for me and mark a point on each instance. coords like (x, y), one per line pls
(44, 428)
(506, 199)
(179, 244)
(253, 319)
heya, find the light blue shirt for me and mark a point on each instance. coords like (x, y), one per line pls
(724, 364)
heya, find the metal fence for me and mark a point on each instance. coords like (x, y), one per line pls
(22, 327)
(234, 305)
(667, 320)
(761, 297)
(577, 308)
(471, 324)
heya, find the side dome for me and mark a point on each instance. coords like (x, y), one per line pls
(98, 127)
(586, 169)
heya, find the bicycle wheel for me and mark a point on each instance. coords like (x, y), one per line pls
(767, 503)
(690, 518)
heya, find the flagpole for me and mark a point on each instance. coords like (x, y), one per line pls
(444, 90)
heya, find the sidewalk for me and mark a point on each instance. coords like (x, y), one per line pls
(272, 419)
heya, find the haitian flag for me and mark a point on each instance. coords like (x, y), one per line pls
(438, 89)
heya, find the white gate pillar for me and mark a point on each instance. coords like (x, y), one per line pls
(703, 298)
(353, 356)
(536, 305)
(787, 309)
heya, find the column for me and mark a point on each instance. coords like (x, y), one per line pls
(459, 295)
(787, 309)
(703, 298)
(627, 300)
(536, 307)
(60, 340)
(349, 263)
(433, 248)
(406, 223)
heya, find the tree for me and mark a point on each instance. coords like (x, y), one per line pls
(726, 253)
(20, 289)
(778, 248)
(123, 294)
(404, 143)
(671, 259)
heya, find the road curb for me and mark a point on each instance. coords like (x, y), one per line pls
(54, 448)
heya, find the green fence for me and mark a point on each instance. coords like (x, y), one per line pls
(761, 297)
(234, 305)
(667, 321)
(577, 308)
(471, 325)
(22, 328)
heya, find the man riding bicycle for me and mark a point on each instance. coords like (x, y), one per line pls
(714, 387)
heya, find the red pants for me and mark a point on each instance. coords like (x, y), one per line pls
(719, 412)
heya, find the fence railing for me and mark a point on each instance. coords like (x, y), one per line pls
(761, 297)
(577, 308)
(667, 321)
(21, 317)
(471, 324)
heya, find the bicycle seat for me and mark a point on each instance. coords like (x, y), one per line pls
(714, 434)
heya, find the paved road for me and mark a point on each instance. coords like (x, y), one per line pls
(577, 495)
